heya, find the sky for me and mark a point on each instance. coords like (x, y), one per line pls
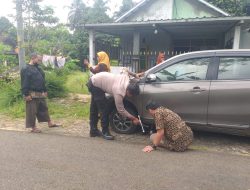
(60, 7)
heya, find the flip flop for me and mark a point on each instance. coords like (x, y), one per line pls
(54, 125)
(35, 130)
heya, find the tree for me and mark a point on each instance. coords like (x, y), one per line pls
(35, 19)
(7, 32)
(126, 6)
(98, 14)
(54, 40)
(233, 7)
(36, 15)
(80, 14)
(77, 14)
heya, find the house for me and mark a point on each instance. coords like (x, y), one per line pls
(172, 26)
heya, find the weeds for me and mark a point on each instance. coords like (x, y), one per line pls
(58, 82)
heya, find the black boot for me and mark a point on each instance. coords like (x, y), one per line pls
(95, 133)
(106, 135)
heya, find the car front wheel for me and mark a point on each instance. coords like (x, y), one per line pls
(120, 124)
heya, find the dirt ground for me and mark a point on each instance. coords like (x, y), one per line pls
(203, 141)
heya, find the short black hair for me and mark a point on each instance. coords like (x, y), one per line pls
(102, 67)
(133, 88)
(152, 105)
(33, 55)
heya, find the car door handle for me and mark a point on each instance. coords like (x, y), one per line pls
(198, 89)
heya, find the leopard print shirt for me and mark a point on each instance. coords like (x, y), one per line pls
(178, 136)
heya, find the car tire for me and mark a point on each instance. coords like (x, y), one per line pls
(120, 125)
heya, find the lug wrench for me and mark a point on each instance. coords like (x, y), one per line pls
(141, 124)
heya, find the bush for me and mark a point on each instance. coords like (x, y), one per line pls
(62, 72)
(73, 65)
(10, 94)
(55, 85)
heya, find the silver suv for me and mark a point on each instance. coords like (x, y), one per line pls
(210, 90)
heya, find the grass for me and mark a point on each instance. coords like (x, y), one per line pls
(114, 62)
(70, 110)
(73, 110)
(12, 104)
(76, 82)
(17, 110)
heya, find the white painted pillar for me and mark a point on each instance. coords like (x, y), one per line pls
(237, 32)
(136, 52)
(91, 47)
(136, 43)
(170, 10)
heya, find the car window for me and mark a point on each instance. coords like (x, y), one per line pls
(192, 69)
(234, 68)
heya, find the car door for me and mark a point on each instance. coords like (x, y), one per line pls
(183, 88)
(229, 102)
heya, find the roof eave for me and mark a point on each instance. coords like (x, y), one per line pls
(214, 7)
(190, 20)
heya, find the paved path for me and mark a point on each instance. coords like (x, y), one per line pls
(48, 161)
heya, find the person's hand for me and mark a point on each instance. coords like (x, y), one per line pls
(148, 149)
(46, 94)
(86, 63)
(135, 121)
(138, 75)
(27, 98)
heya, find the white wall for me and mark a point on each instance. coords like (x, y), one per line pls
(157, 10)
(245, 39)
(229, 37)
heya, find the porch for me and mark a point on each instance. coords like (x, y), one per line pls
(140, 42)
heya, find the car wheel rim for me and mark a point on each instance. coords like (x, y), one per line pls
(121, 124)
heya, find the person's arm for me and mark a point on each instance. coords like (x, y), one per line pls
(156, 141)
(136, 75)
(121, 110)
(87, 64)
(24, 82)
(25, 85)
(158, 137)
(94, 70)
(132, 73)
(101, 67)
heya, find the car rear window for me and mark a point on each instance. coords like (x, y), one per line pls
(232, 68)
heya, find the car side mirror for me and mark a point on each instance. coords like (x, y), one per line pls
(151, 78)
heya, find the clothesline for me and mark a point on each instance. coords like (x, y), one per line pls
(53, 61)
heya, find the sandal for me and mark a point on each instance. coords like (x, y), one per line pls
(54, 125)
(35, 130)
